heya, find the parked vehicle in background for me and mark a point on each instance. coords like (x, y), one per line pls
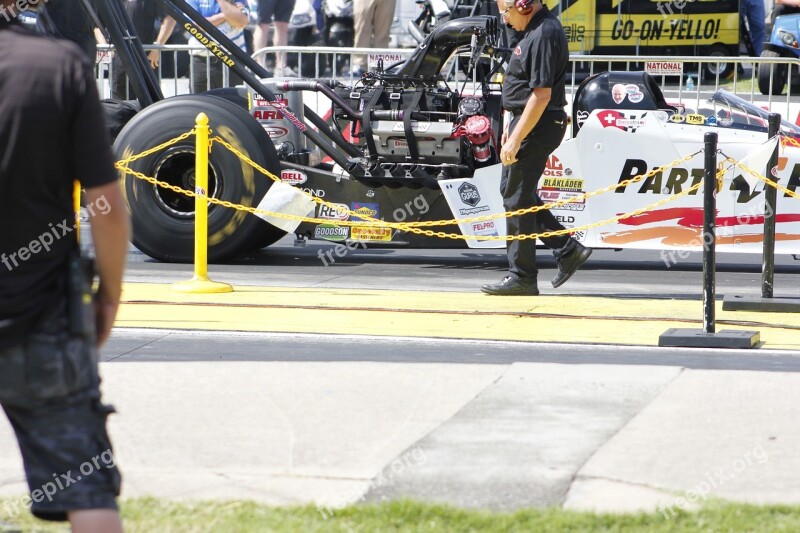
(784, 41)
(625, 27)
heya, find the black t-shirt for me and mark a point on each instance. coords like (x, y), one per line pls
(52, 132)
(539, 61)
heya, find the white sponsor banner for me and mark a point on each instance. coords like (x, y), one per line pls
(475, 197)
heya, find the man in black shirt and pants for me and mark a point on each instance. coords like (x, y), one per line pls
(533, 92)
(52, 132)
(143, 14)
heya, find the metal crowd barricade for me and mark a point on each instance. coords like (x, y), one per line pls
(322, 62)
(743, 82)
(178, 83)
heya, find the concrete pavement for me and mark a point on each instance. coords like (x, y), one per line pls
(267, 418)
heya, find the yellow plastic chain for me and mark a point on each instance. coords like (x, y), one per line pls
(414, 227)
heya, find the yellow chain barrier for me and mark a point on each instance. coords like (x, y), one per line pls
(415, 227)
(784, 142)
(484, 218)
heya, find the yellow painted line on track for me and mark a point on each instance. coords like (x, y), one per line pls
(578, 319)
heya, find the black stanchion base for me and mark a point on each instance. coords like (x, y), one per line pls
(765, 305)
(697, 338)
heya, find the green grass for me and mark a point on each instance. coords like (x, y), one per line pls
(151, 515)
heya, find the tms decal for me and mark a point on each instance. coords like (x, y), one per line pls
(696, 120)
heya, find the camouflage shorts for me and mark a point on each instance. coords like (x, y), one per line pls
(49, 389)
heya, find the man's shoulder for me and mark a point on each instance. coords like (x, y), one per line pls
(43, 49)
(550, 22)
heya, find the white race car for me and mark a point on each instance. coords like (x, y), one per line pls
(623, 128)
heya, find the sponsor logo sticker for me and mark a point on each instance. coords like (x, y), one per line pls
(615, 119)
(568, 184)
(554, 167)
(416, 127)
(634, 94)
(664, 68)
(582, 116)
(555, 195)
(293, 177)
(711, 121)
(485, 229)
(371, 234)
(678, 119)
(697, 120)
(368, 209)
(318, 193)
(469, 194)
(331, 232)
(334, 211)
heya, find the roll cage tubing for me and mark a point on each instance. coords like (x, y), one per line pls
(120, 30)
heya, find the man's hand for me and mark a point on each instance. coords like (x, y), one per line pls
(105, 311)
(509, 149)
(154, 56)
(110, 234)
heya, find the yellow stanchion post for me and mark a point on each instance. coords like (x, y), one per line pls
(200, 282)
(76, 206)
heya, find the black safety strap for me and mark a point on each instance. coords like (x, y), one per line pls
(366, 121)
(413, 149)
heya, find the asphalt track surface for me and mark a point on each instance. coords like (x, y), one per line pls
(387, 374)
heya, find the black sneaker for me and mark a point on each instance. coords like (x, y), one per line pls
(570, 264)
(512, 286)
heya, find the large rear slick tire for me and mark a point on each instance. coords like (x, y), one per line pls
(163, 220)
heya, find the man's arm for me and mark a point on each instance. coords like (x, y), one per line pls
(110, 233)
(534, 108)
(234, 14)
(167, 25)
(791, 3)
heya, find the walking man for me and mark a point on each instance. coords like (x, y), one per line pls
(533, 93)
(52, 131)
